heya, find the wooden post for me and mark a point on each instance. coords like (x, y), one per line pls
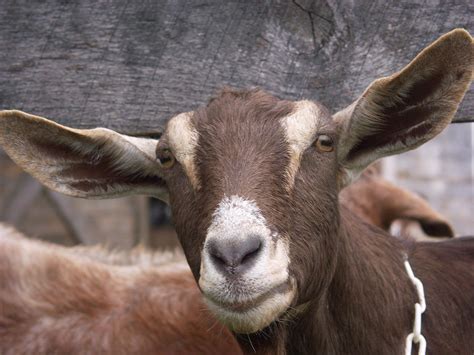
(130, 65)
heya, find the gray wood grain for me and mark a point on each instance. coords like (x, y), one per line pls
(130, 66)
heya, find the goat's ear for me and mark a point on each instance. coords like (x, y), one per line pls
(95, 163)
(402, 111)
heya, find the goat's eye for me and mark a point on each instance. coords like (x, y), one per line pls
(324, 143)
(165, 158)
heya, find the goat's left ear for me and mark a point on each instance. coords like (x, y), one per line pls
(402, 111)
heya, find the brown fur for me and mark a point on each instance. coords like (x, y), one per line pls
(381, 203)
(359, 298)
(57, 300)
(368, 307)
(98, 278)
(232, 150)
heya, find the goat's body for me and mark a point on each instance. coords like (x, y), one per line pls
(447, 272)
(80, 300)
(368, 307)
(86, 298)
(381, 203)
(56, 300)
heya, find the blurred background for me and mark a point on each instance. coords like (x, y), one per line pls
(130, 66)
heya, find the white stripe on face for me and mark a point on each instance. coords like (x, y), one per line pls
(183, 140)
(300, 128)
(233, 221)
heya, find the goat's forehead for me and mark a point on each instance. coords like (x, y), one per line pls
(298, 124)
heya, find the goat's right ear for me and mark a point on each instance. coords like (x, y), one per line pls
(402, 111)
(94, 163)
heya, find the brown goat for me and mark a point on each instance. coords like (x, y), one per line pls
(383, 204)
(57, 300)
(177, 322)
(23, 326)
(253, 183)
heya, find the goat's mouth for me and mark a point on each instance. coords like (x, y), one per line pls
(252, 314)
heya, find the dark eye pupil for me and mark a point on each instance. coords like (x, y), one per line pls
(164, 160)
(165, 157)
(326, 141)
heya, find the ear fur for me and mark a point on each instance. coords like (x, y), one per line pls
(95, 163)
(402, 111)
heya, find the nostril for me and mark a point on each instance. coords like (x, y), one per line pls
(230, 256)
(218, 259)
(215, 254)
(252, 251)
(249, 256)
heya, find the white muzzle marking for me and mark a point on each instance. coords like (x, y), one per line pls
(261, 293)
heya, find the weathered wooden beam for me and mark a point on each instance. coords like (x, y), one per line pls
(130, 66)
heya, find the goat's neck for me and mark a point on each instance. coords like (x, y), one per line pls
(368, 306)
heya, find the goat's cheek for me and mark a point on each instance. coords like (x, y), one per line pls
(305, 268)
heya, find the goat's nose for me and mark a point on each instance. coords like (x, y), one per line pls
(234, 257)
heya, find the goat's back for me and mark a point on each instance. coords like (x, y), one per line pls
(60, 300)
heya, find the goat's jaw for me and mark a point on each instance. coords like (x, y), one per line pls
(254, 314)
(251, 302)
(251, 299)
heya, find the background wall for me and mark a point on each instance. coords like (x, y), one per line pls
(442, 171)
(39, 212)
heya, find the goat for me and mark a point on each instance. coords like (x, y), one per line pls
(176, 322)
(84, 300)
(385, 205)
(253, 184)
(25, 326)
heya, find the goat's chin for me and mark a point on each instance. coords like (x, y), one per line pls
(250, 319)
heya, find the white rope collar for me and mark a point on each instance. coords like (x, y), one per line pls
(415, 336)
